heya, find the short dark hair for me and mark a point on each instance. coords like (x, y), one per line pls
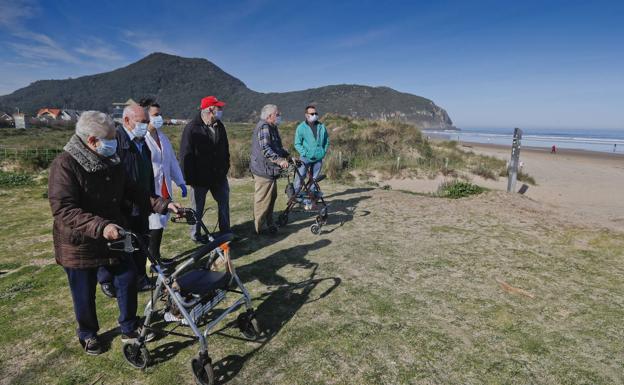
(154, 104)
(146, 102)
(308, 107)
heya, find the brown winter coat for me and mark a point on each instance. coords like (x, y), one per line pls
(87, 193)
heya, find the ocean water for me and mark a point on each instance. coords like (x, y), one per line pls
(579, 139)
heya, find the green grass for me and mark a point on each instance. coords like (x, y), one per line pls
(399, 289)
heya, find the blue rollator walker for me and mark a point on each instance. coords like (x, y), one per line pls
(190, 287)
(309, 195)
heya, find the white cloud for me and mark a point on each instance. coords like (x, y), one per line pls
(30, 45)
(147, 44)
(13, 11)
(97, 49)
(360, 39)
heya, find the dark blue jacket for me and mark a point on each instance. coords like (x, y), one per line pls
(138, 168)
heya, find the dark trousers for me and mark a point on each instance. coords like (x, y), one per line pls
(83, 284)
(137, 225)
(220, 191)
(155, 241)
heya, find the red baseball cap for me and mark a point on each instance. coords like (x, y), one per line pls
(210, 101)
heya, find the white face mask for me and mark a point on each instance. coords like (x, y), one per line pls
(157, 121)
(140, 129)
(312, 118)
(218, 114)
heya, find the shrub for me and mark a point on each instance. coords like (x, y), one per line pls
(239, 161)
(484, 172)
(15, 179)
(522, 176)
(458, 189)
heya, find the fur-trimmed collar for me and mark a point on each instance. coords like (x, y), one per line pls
(86, 158)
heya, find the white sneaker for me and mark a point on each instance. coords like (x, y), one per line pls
(172, 318)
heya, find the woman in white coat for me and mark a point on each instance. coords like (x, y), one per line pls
(166, 168)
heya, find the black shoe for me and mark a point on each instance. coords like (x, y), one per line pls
(144, 284)
(272, 229)
(108, 289)
(91, 346)
(134, 335)
(200, 239)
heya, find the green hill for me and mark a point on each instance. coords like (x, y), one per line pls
(179, 83)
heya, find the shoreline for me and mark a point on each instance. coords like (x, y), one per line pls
(544, 150)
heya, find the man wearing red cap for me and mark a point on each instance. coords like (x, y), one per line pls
(205, 162)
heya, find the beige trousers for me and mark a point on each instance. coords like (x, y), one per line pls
(264, 201)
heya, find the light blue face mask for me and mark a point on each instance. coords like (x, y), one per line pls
(107, 147)
(157, 121)
(278, 120)
(140, 129)
(218, 114)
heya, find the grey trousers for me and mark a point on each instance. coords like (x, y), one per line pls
(221, 193)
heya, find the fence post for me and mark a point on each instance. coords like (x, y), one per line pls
(512, 171)
(398, 163)
(446, 163)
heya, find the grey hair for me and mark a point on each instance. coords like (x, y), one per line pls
(130, 111)
(267, 110)
(94, 123)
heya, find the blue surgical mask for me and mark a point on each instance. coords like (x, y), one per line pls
(107, 147)
(157, 121)
(278, 120)
(140, 129)
(218, 114)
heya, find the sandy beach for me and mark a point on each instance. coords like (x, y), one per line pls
(587, 185)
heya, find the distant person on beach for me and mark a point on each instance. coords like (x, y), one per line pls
(166, 169)
(311, 142)
(614, 146)
(553, 149)
(88, 191)
(205, 162)
(268, 157)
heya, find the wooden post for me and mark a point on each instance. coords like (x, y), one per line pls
(398, 163)
(512, 171)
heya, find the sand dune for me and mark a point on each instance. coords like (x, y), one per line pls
(587, 185)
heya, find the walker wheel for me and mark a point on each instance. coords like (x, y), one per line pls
(136, 354)
(282, 220)
(315, 229)
(202, 371)
(248, 326)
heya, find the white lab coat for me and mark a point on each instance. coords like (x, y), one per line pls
(164, 163)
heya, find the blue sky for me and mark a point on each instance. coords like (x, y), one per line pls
(533, 64)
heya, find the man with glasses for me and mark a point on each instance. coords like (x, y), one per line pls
(311, 142)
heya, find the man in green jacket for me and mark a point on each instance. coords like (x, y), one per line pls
(311, 142)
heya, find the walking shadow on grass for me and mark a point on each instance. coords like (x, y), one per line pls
(264, 270)
(357, 190)
(340, 211)
(278, 307)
